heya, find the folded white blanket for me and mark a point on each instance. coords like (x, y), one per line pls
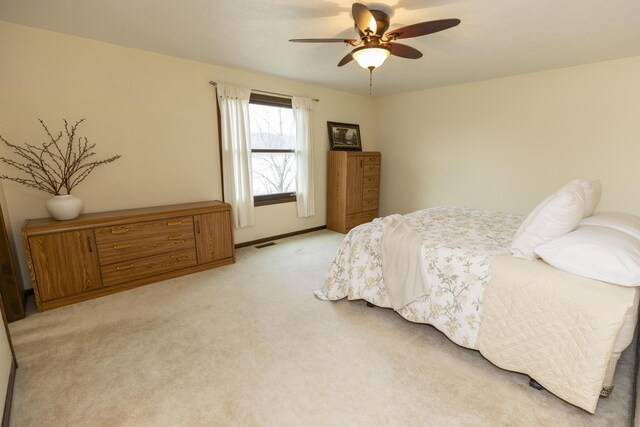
(402, 266)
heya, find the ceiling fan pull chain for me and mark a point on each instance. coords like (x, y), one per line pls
(370, 79)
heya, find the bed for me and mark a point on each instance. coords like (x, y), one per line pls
(464, 259)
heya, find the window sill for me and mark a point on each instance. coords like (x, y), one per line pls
(273, 199)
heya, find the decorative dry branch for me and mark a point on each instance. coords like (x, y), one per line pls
(55, 165)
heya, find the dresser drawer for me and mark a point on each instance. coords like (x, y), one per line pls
(110, 252)
(370, 193)
(360, 218)
(371, 170)
(144, 267)
(372, 181)
(143, 230)
(142, 239)
(370, 203)
(372, 160)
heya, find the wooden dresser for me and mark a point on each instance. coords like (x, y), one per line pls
(102, 253)
(353, 188)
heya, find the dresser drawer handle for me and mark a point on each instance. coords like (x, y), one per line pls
(122, 246)
(179, 236)
(178, 257)
(174, 223)
(124, 267)
(119, 230)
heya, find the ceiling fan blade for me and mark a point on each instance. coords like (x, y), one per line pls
(348, 58)
(404, 51)
(422, 29)
(348, 41)
(363, 18)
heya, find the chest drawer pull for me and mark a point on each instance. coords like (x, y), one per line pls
(179, 236)
(119, 230)
(124, 267)
(178, 222)
(122, 246)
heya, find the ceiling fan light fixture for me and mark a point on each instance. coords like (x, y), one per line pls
(371, 57)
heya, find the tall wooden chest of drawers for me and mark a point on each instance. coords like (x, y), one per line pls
(101, 253)
(353, 187)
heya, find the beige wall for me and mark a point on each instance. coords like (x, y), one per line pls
(157, 111)
(505, 144)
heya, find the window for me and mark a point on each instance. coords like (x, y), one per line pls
(273, 155)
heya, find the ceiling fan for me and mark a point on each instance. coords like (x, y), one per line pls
(374, 45)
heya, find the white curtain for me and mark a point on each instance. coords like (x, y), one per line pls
(236, 152)
(304, 156)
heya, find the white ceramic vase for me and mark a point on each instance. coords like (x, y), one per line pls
(64, 207)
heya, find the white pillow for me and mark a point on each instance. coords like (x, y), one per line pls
(556, 216)
(627, 223)
(596, 252)
(592, 192)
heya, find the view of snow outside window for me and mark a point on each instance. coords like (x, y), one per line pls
(272, 128)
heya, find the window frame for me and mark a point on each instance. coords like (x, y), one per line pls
(276, 198)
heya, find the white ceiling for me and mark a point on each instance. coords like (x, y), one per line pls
(496, 37)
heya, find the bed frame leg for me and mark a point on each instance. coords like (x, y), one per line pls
(369, 304)
(607, 384)
(606, 391)
(535, 384)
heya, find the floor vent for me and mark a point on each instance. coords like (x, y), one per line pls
(264, 245)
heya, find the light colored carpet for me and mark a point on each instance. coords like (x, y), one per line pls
(249, 344)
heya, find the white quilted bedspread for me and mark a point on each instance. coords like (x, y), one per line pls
(557, 327)
(458, 244)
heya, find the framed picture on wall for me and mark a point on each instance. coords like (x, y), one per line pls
(344, 136)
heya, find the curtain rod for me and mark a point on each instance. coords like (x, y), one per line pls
(267, 93)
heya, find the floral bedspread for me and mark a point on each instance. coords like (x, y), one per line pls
(458, 244)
